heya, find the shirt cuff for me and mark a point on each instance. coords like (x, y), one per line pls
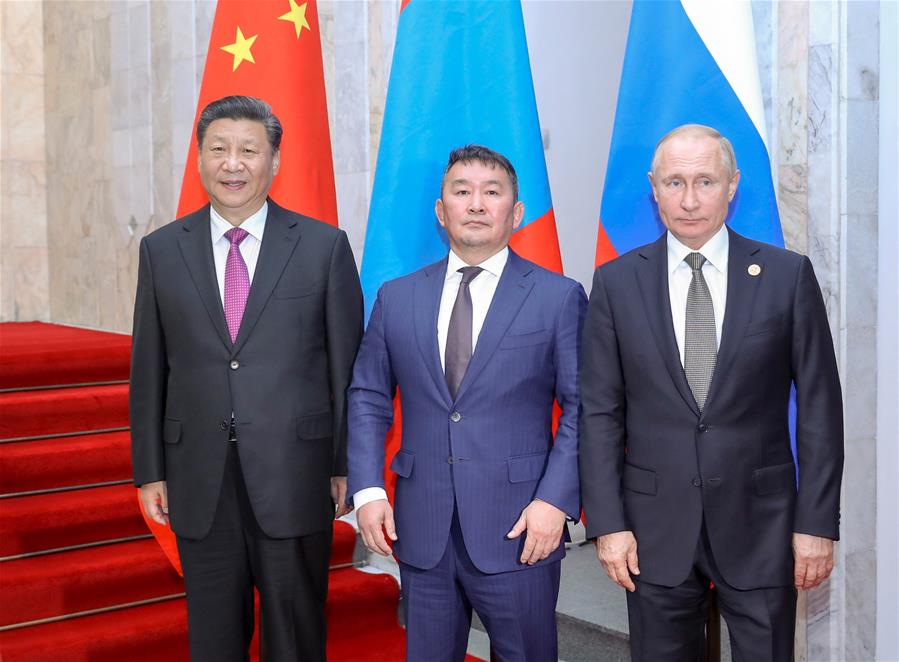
(367, 495)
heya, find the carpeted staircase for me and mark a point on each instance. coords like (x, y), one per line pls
(81, 577)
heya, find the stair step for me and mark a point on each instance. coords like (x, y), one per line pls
(343, 545)
(61, 462)
(84, 579)
(149, 632)
(63, 411)
(38, 354)
(47, 521)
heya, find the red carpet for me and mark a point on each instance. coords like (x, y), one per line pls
(58, 489)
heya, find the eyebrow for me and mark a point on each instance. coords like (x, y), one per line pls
(489, 182)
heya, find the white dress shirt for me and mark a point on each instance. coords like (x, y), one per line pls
(715, 251)
(249, 247)
(482, 289)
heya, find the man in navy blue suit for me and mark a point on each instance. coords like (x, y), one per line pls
(480, 344)
(691, 345)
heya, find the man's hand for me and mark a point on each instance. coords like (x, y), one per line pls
(544, 523)
(155, 500)
(338, 496)
(618, 554)
(373, 518)
(813, 560)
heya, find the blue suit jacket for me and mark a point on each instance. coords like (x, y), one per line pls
(491, 451)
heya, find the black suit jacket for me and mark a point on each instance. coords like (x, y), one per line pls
(652, 464)
(284, 378)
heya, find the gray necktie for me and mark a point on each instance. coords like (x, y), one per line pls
(458, 337)
(700, 341)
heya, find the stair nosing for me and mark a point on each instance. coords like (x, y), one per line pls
(69, 548)
(57, 435)
(48, 387)
(65, 488)
(92, 612)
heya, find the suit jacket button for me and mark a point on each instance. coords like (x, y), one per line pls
(703, 427)
(224, 425)
(697, 482)
(234, 364)
(455, 417)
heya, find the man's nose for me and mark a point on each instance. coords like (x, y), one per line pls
(476, 203)
(689, 201)
(232, 161)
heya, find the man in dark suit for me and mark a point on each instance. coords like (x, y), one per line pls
(479, 344)
(246, 325)
(691, 345)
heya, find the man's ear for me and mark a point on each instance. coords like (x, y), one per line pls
(517, 214)
(732, 186)
(438, 209)
(276, 162)
(652, 185)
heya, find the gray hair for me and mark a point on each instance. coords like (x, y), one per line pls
(488, 157)
(241, 108)
(727, 150)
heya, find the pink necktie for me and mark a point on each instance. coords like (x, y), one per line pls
(237, 282)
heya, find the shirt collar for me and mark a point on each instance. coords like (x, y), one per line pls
(715, 251)
(493, 264)
(254, 225)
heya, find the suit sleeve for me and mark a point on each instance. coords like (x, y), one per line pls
(819, 412)
(343, 330)
(559, 485)
(370, 405)
(149, 374)
(602, 423)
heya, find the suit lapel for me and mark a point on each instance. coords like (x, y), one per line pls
(513, 288)
(428, 290)
(652, 278)
(278, 243)
(741, 291)
(195, 243)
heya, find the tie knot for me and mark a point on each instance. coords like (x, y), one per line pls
(695, 260)
(236, 235)
(469, 274)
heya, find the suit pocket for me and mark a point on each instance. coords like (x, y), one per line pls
(639, 480)
(773, 480)
(171, 431)
(526, 339)
(402, 463)
(314, 426)
(523, 468)
(295, 292)
(765, 326)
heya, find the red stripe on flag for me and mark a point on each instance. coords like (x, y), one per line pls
(605, 251)
(539, 243)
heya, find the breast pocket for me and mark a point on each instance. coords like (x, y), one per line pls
(296, 292)
(765, 326)
(515, 341)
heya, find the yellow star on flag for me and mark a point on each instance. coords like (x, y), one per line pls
(240, 49)
(297, 16)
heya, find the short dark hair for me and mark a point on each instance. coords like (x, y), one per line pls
(241, 108)
(469, 153)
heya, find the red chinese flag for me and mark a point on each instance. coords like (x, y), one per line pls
(269, 49)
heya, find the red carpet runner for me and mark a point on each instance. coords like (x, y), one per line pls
(80, 576)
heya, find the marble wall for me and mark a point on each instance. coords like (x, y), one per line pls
(24, 280)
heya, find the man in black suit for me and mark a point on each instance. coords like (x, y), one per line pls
(690, 347)
(246, 325)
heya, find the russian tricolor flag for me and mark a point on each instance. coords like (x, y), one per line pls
(687, 62)
(460, 75)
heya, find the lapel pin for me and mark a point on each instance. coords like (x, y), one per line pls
(754, 270)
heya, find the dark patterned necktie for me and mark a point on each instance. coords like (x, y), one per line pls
(458, 337)
(700, 340)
